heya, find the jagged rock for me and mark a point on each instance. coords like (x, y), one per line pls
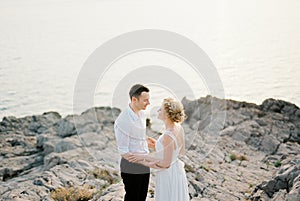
(29, 125)
(295, 135)
(233, 151)
(287, 179)
(65, 128)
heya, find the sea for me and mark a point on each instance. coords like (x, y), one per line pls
(253, 47)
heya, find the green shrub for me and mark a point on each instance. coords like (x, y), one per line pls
(232, 157)
(277, 164)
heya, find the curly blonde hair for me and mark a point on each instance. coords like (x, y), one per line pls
(174, 110)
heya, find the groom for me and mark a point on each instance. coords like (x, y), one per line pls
(130, 132)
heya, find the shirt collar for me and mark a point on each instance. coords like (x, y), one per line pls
(132, 114)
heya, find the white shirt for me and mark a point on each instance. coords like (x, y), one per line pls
(130, 132)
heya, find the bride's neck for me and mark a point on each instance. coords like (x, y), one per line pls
(169, 124)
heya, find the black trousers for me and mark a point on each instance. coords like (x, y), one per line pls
(136, 180)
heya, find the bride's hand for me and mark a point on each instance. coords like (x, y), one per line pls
(151, 142)
(135, 158)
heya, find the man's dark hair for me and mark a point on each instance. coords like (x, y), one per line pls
(136, 90)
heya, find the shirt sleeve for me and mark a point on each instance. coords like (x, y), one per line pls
(122, 140)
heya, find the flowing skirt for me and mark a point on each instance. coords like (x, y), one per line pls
(171, 184)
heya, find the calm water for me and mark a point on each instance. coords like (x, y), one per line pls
(255, 47)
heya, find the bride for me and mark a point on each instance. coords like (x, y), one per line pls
(171, 182)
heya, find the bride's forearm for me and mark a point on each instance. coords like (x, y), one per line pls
(150, 158)
(160, 163)
(163, 164)
(147, 157)
(151, 165)
(155, 163)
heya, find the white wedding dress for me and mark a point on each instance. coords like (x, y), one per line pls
(171, 184)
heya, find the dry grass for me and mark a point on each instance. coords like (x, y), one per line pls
(84, 193)
(204, 167)
(189, 168)
(234, 156)
(107, 176)
(103, 174)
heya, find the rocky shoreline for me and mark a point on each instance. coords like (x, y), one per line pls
(236, 151)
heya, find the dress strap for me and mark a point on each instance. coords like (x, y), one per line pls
(169, 133)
